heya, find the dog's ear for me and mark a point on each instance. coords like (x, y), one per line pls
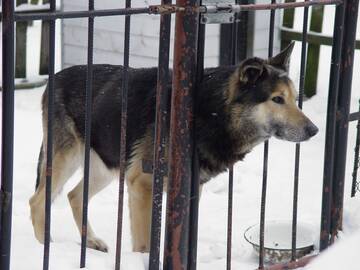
(250, 70)
(282, 60)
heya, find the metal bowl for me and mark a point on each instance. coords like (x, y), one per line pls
(277, 239)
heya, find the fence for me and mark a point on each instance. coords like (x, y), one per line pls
(22, 7)
(180, 249)
(315, 39)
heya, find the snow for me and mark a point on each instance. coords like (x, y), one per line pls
(65, 249)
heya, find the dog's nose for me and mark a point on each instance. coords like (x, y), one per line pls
(311, 130)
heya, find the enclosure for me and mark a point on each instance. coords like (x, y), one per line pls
(174, 239)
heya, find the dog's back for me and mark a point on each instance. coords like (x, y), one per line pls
(70, 91)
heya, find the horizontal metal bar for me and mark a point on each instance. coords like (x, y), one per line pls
(81, 14)
(312, 37)
(248, 7)
(354, 116)
(26, 11)
(167, 9)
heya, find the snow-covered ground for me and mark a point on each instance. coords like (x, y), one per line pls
(65, 249)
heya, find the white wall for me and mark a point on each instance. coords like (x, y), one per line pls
(108, 38)
(261, 31)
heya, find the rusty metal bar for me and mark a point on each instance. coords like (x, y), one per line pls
(166, 9)
(123, 126)
(342, 123)
(330, 126)
(7, 134)
(161, 125)
(176, 248)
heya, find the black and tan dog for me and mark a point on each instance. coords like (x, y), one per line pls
(237, 107)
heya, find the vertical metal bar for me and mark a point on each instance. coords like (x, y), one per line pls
(342, 123)
(354, 185)
(88, 105)
(176, 249)
(227, 32)
(49, 148)
(230, 215)
(7, 135)
(266, 155)
(195, 181)
(242, 32)
(124, 98)
(225, 44)
(330, 126)
(297, 148)
(233, 61)
(161, 122)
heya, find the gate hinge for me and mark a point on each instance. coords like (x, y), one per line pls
(221, 11)
(5, 199)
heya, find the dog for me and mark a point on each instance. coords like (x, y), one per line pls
(236, 108)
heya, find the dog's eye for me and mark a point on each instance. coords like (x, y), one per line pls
(278, 100)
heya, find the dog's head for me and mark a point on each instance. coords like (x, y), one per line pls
(261, 92)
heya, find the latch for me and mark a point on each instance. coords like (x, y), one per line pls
(223, 12)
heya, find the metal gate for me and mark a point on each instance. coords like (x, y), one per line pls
(180, 249)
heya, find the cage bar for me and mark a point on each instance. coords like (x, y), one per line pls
(297, 147)
(355, 184)
(7, 134)
(88, 105)
(49, 143)
(343, 112)
(266, 155)
(161, 122)
(195, 180)
(229, 220)
(124, 101)
(80, 14)
(176, 248)
(330, 126)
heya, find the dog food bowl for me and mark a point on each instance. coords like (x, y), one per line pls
(277, 239)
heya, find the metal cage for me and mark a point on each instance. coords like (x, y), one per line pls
(180, 249)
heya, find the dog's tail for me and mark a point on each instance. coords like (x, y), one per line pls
(40, 161)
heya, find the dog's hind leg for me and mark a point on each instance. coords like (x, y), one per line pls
(140, 205)
(65, 162)
(99, 178)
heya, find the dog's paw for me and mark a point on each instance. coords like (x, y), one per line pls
(98, 244)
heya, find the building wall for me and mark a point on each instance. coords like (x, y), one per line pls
(144, 42)
(109, 32)
(259, 41)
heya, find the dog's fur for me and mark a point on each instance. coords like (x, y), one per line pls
(236, 108)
